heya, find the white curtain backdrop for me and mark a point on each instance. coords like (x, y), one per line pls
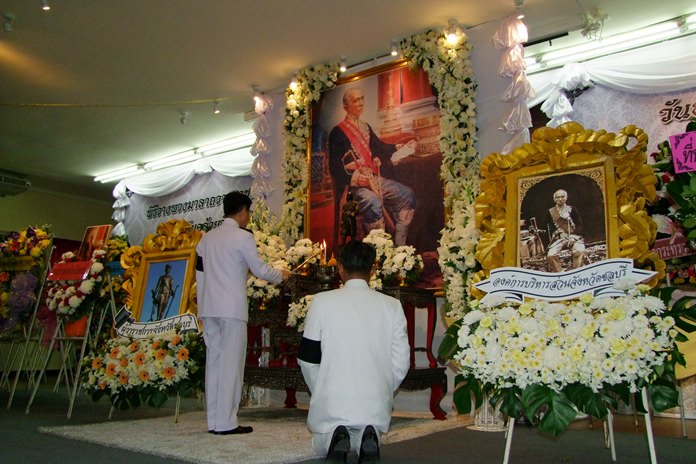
(666, 67)
(158, 183)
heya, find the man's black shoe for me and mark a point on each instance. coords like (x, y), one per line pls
(369, 447)
(238, 430)
(339, 447)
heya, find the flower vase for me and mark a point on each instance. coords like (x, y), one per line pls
(76, 328)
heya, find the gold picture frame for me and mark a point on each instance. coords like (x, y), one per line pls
(173, 245)
(401, 108)
(616, 163)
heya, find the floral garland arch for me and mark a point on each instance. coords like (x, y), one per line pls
(450, 72)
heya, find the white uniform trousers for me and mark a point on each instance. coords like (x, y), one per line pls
(225, 341)
(322, 441)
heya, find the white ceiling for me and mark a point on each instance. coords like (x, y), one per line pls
(120, 72)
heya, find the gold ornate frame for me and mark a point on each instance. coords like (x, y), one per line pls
(629, 184)
(174, 240)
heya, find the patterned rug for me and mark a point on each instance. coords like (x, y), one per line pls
(280, 436)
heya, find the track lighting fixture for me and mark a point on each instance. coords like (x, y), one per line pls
(45, 6)
(183, 117)
(216, 108)
(342, 65)
(394, 48)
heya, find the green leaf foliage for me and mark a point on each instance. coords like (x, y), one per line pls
(448, 345)
(465, 389)
(558, 411)
(589, 402)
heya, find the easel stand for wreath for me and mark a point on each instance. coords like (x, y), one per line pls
(26, 345)
(567, 325)
(73, 341)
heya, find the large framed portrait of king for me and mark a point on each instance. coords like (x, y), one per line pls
(375, 161)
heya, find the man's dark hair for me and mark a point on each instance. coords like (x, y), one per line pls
(357, 256)
(235, 202)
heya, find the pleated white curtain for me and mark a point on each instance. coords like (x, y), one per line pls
(234, 163)
(666, 67)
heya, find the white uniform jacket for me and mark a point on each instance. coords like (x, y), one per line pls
(364, 357)
(227, 253)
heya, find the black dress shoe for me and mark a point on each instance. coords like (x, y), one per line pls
(238, 430)
(339, 447)
(369, 447)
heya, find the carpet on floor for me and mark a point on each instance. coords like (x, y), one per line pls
(280, 436)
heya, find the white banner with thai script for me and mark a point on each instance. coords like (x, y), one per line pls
(515, 283)
(127, 327)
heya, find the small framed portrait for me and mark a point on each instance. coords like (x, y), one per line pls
(375, 161)
(95, 238)
(163, 285)
(562, 222)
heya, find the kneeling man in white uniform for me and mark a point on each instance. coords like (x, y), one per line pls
(354, 355)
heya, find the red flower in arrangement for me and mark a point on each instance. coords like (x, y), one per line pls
(113, 354)
(123, 362)
(168, 373)
(144, 376)
(160, 354)
(4, 276)
(122, 378)
(96, 363)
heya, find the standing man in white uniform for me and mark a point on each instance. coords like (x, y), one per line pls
(225, 256)
(354, 355)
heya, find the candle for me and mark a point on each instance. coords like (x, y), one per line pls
(323, 247)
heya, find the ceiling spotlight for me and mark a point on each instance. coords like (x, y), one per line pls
(293, 82)
(452, 32)
(183, 117)
(394, 48)
(216, 108)
(342, 65)
(44, 5)
(7, 20)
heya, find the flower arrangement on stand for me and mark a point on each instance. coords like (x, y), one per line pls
(32, 241)
(18, 288)
(73, 300)
(563, 357)
(136, 371)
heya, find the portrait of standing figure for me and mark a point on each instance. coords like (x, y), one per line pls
(562, 222)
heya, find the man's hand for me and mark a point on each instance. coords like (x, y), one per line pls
(377, 162)
(361, 178)
(286, 274)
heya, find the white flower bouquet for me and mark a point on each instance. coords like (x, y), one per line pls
(302, 250)
(404, 264)
(271, 249)
(297, 312)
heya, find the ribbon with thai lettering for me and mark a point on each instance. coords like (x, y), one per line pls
(515, 284)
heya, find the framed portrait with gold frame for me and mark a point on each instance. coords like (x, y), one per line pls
(162, 288)
(605, 177)
(387, 113)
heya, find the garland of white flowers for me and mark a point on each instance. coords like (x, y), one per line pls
(449, 70)
(311, 81)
